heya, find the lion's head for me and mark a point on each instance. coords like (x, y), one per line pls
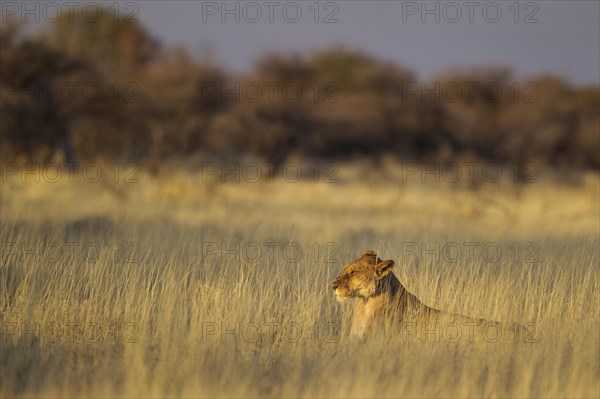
(361, 277)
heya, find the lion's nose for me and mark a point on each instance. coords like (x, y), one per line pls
(335, 284)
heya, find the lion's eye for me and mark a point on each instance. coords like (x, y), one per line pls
(352, 272)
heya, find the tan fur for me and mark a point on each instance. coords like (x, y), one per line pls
(382, 299)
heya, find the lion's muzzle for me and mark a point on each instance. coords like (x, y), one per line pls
(335, 284)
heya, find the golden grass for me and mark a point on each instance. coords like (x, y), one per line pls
(112, 289)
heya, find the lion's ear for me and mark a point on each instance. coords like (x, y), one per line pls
(384, 268)
(370, 256)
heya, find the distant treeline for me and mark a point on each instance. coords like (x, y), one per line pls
(108, 89)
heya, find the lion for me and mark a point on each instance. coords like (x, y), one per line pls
(382, 299)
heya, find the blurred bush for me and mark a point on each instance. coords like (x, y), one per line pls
(108, 89)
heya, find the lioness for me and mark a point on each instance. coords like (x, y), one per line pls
(383, 299)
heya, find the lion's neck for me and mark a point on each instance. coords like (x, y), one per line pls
(368, 309)
(389, 287)
(389, 293)
(390, 300)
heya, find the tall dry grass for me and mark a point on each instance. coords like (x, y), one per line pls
(176, 286)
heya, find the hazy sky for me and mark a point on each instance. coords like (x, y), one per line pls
(561, 37)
